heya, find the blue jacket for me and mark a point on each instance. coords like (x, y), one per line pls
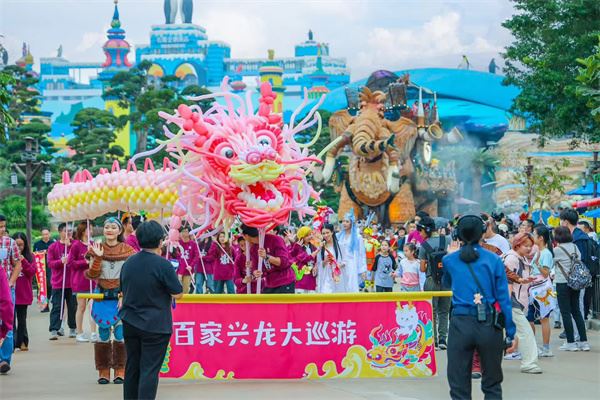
(491, 274)
(579, 238)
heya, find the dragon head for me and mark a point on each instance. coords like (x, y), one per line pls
(234, 162)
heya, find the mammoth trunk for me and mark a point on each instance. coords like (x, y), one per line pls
(364, 140)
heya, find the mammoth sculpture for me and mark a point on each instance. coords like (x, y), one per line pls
(389, 169)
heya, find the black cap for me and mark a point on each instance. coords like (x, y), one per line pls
(426, 223)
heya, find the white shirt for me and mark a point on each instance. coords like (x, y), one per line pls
(500, 242)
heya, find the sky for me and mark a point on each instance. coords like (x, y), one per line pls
(371, 35)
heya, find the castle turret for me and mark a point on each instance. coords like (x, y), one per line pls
(116, 47)
(116, 50)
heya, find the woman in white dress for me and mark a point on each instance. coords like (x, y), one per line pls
(353, 253)
(329, 263)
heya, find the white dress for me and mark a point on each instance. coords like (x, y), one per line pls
(355, 263)
(325, 281)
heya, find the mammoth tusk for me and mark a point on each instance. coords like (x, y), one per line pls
(329, 146)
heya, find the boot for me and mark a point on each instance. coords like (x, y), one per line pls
(103, 358)
(119, 358)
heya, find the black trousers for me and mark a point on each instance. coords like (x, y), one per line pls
(568, 302)
(20, 328)
(587, 298)
(71, 308)
(465, 336)
(145, 355)
(382, 289)
(290, 288)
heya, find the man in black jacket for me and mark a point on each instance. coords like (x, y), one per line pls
(149, 284)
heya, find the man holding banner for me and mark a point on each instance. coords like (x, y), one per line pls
(43, 277)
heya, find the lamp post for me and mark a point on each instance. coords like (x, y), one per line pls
(28, 169)
(528, 174)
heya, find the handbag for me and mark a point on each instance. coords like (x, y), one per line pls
(498, 318)
(579, 277)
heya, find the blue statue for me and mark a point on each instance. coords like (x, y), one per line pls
(187, 8)
(171, 8)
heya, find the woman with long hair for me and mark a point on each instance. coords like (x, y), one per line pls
(23, 292)
(330, 263)
(79, 261)
(543, 268)
(221, 254)
(354, 254)
(479, 291)
(108, 258)
(568, 299)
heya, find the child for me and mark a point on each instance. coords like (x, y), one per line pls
(384, 268)
(410, 270)
(187, 259)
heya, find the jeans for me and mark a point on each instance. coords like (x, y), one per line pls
(467, 335)
(210, 283)
(441, 310)
(527, 343)
(380, 289)
(568, 301)
(71, 306)
(220, 286)
(145, 355)
(7, 347)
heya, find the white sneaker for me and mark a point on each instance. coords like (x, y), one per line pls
(94, 337)
(545, 353)
(513, 356)
(81, 338)
(569, 347)
(72, 333)
(583, 346)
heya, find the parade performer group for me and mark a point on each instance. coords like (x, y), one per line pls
(233, 177)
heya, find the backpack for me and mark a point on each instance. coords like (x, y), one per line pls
(592, 259)
(579, 277)
(434, 259)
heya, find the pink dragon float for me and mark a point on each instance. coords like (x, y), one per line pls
(227, 163)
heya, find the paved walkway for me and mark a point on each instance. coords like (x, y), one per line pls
(65, 370)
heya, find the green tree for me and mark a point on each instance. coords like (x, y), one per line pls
(549, 37)
(14, 208)
(23, 108)
(545, 183)
(589, 78)
(6, 119)
(94, 134)
(133, 89)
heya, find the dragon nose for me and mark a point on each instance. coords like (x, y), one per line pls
(256, 156)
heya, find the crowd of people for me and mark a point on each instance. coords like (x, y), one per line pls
(349, 257)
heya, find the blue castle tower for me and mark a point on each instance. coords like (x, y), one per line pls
(183, 49)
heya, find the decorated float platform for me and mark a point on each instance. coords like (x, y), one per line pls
(302, 336)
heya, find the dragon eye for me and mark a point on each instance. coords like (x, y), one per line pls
(227, 152)
(264, 141)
